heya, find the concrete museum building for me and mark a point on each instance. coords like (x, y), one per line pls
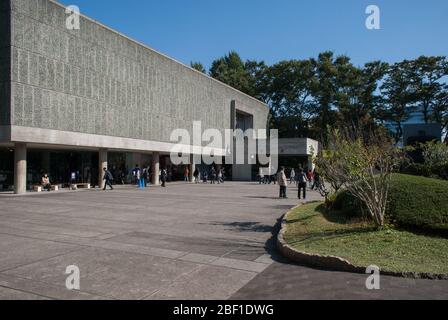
(78, 100)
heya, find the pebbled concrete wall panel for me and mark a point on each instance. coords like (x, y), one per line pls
(97, 81)
(5, 62)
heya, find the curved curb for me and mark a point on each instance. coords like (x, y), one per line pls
(334, 263)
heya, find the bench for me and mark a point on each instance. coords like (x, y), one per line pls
(39, 188)
(75, 186)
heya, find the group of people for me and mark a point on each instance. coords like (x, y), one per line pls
(267, 179)
(142, 176)
(303, 179)
(312, 176)
(213, 176)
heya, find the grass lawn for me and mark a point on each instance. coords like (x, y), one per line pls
(310, 229)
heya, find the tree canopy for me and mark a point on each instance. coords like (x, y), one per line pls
(306, 96)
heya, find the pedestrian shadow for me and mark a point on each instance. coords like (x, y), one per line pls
(284, 207)
(245, 226)
(270, 246)
(261, 197)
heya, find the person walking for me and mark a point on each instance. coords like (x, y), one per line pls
(302, 180)
(220, 179)
(186, 174)
(140, 178)
(292, 176)
(196, 175)
(144, 179)
(164, 177)
(261, 175)
(212, 175)
(137, 173)
(310, 177)
(107, 179)
(223, 175)
(282, 182)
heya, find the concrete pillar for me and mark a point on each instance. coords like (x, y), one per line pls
(155, 168)
(192, 167)
(102, 163)
(20, 168)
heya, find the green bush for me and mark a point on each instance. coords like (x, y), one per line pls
(417, 169)
(348, 205)
(415, 202)
(420, 169)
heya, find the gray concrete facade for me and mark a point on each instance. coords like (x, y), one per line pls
(97, 81)
(297, 147)
(95, 88)
(5, 65)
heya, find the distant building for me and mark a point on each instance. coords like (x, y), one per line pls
(80, 100)
(421, 132)
(297, 152)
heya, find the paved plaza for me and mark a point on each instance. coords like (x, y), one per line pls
(183, 242)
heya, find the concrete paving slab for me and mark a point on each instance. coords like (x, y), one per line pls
(240, 264)
(12, 294)
(185, 241)
(198, 258)
(45, 290)
(16, 251)
(109, 273)
(207, 282)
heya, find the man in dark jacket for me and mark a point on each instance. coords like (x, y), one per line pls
(164, 177)
(107, 179)
(212, 175)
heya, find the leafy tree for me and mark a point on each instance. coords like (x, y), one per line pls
(288, 91)
(198, 66)
(306, 96)
(356, 96)
(256, 73)
(231, 70)
(399, 97)
(440, 112)
(427, 79)
(324, 92)
(435, 155)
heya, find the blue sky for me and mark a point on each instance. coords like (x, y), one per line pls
(202, 30)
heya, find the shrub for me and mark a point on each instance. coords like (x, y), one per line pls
(418, 202)
(417, 169)
(413, 201)
(363, 167)
(348, 205)
(429, 160)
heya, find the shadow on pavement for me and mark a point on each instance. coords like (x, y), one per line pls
(246, 226)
